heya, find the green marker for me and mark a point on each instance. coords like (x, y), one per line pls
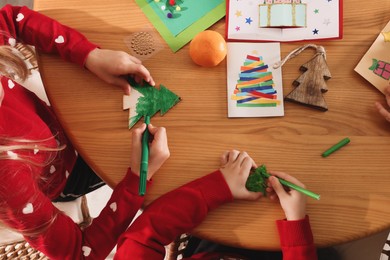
(335, 147)
(144, 159)
(295, 187)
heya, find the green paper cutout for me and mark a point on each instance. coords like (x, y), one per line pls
(257, 181)
(152, 100)
(178, 41)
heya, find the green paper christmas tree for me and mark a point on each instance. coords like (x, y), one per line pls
(147, 100)
(257, 180)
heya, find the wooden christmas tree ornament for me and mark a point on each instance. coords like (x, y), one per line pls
(312, 83)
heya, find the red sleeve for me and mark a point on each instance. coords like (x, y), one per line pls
(174, 213)
(296, 240)
(44, 33)
(29, 208)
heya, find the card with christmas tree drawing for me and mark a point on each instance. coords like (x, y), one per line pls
(375, 64)
(254, 88)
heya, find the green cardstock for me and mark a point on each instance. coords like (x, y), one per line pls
(195, 21)
(151, 101)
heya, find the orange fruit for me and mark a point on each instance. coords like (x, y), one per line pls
(208, 48)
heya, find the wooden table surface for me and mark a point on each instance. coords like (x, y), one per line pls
(353, 183)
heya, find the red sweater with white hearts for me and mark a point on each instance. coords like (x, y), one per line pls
(26, 190)
(172, 214)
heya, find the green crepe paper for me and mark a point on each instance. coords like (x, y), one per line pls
(175, 42)
(152, 101)
(257, 181)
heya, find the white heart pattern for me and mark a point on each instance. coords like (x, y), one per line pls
(60, 39)
(28, 209)
(12, 42)
(66, 174)
(52, 169)
(86, 250)
(11, 84)
(36, 151)
(12, 155)
(113, 206)
(19, 17)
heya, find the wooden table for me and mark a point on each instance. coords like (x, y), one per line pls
(353, 183)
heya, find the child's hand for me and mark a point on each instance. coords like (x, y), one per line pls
(293, 202)
(382, 110)
(113, 66)
(158, 149)
(235, 167)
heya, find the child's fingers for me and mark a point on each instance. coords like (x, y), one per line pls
(278, 187)
(121, 82)
(388, 97)
(134, 59)
(273, 197)
(138, 70)
(254, 165)
(150, 80)
(159, 133)
(232, 156)
(383, 111)
(224, 158)
(138, 131)
(246, 166)
(253, 195)
(241, 158)
(152, 129)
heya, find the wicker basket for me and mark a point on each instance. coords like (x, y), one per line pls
(20, 250)
(28, 53)
(175, 250)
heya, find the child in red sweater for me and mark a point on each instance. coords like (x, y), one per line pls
(171, 215)
(36, 158)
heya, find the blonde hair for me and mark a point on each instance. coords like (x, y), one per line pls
(11, 64)
(10, 149)
(14, 58)
(9, 146)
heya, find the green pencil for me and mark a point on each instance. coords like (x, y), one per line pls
(335, 147)
(295, 187)
(144, 159)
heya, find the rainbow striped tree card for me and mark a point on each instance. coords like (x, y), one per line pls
(254, 87)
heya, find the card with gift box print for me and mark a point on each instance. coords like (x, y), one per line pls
(375, 64)
(283, 20)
